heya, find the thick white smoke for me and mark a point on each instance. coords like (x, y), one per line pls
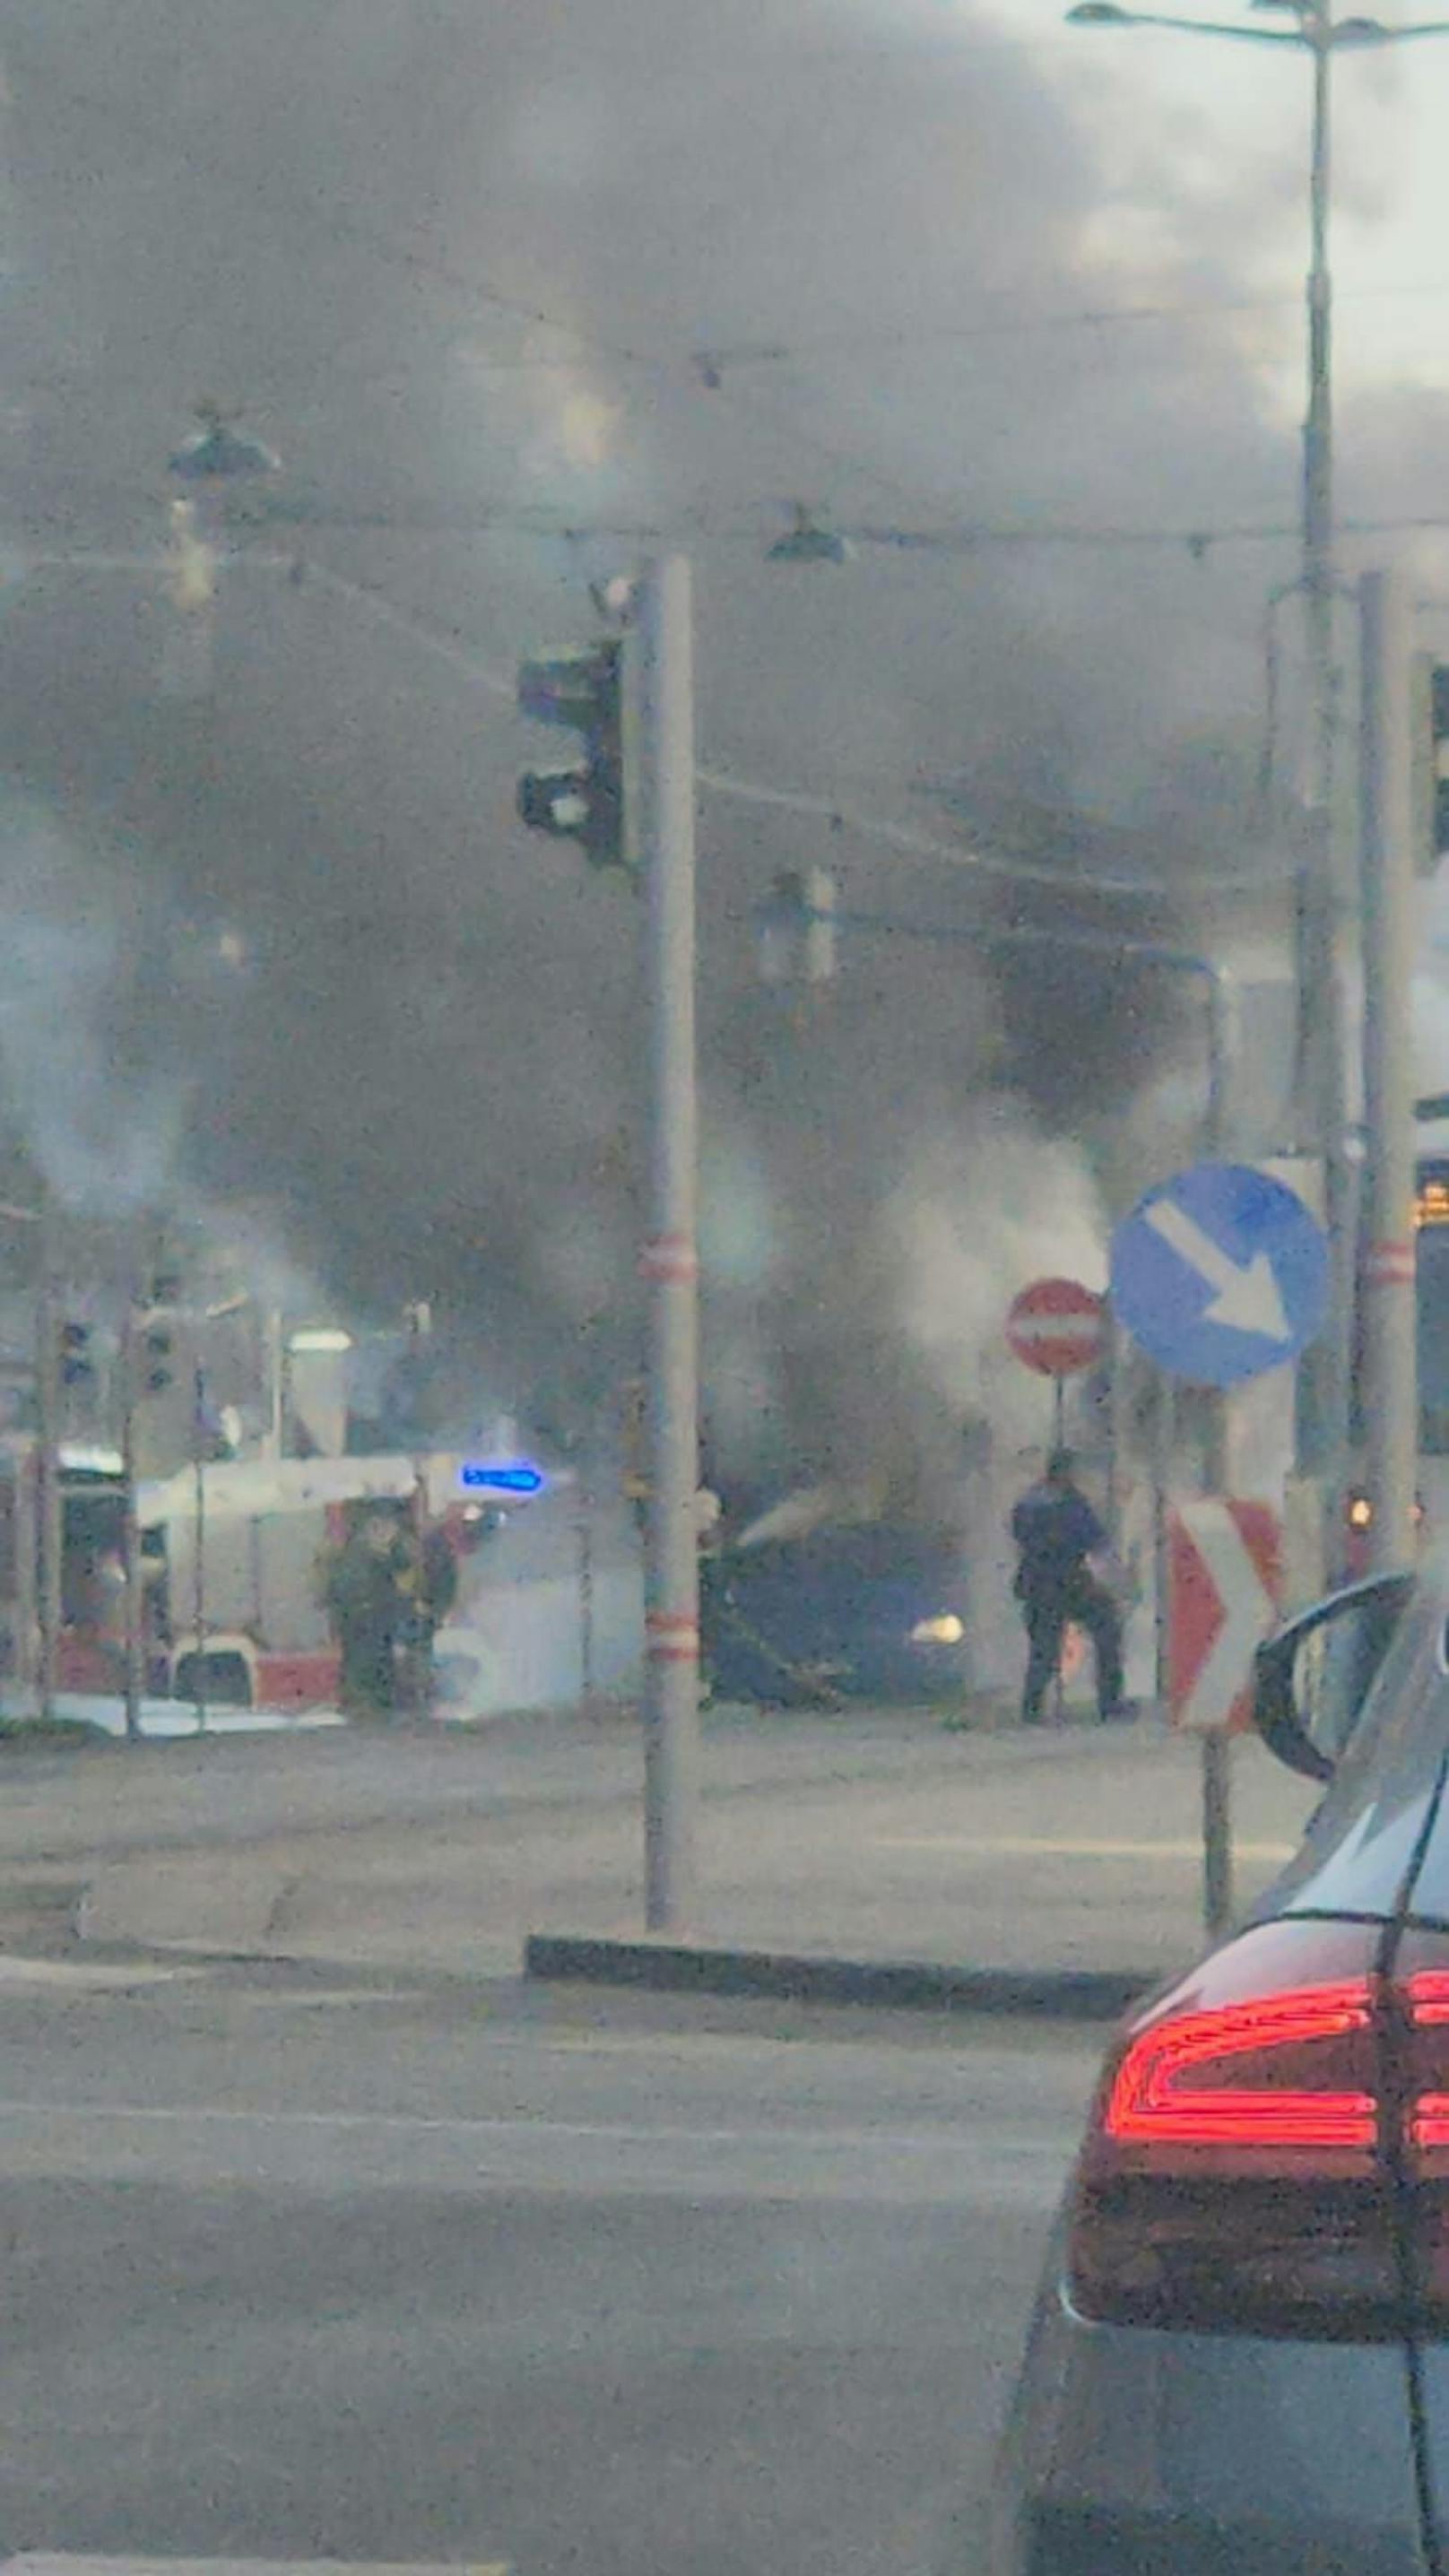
(979, 1214)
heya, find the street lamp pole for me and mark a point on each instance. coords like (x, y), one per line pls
(1324, 1383)
(1321, 894)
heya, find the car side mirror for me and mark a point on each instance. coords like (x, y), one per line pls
(1312, 1679)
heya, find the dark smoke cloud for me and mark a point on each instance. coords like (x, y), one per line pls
(433, 1071)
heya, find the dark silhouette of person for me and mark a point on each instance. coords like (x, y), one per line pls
(1057, 1534)
(366, 1595)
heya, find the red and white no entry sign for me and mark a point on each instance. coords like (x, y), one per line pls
(1058, 1327)
(1224, 1580)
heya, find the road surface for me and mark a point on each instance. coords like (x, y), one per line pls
(303, 2267)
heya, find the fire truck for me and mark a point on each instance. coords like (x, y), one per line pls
(231, 1609)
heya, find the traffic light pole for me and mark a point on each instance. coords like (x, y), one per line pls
(48, 1501)
(1390, 1392)
(134, 1680)
(661, 641)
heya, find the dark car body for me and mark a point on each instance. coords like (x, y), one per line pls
(1239, 2357)
(840, 1611)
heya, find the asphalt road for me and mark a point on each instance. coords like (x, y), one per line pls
(298, 2268)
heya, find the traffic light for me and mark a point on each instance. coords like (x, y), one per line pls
(77, 1367)
(158, 1352)
(589, 803)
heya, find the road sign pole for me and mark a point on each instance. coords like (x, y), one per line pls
(671, 1683)
(1390, 1389)
(1164, 1425)
(1225, 1562)
(1217, 1751)
(1220, 1274)
(1217, 1834)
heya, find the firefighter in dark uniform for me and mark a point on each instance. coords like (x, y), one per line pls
(364, 1587)
(1057, 1534)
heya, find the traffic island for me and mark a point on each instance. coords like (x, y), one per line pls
(678, 1967)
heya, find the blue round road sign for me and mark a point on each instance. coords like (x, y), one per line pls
(1220, 1273)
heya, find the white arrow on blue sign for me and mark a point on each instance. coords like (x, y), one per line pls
(1220, 1273)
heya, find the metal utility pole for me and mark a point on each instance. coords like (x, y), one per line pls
(135, 1626)
(661, 642)
(1390, 1388)
(1321, 906)
(418, 1658)
(1217, 1751)
(274, 1343)
(49, 1504)
(198, 1563)
(584, 1539)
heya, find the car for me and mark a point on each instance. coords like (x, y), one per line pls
(1239, 2355)
(872, 1610)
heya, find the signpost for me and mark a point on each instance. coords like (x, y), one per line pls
(1219, 1274)
(1225, 1577)
(1059, 1329)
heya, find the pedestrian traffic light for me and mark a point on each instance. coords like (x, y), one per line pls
(77, 1367)
(588, 803)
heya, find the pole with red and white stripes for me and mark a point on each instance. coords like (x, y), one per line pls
(1390, 1403)
(662, 640)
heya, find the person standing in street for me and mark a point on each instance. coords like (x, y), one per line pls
(363, 1587)
(1057, 1536)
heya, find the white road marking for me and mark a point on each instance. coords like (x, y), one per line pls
(1072, 1848)
(42, 2565)
(266, 1999)
(209, 2147)
(95, 1975)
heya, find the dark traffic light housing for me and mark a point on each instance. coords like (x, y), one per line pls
(77, 1367)
(158, 1352)
(585, 693)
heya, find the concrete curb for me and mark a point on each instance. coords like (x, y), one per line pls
(1064, 1994)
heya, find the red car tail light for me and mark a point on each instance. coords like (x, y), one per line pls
(1425, 1993)
(1423, 2001)
(1233, 2174)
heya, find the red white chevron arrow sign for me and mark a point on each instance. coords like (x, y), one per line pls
(1224, 1585)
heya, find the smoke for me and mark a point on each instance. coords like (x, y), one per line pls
(980, 1213)
(101, 1120)
(466, 264)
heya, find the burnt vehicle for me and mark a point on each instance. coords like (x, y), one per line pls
(840, 1610)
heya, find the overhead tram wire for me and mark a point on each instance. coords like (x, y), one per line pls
(348, 229)
(340, 225)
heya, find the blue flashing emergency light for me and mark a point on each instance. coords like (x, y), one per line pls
(517, 1477)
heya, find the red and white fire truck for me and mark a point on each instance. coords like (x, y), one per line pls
(229, 1557)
